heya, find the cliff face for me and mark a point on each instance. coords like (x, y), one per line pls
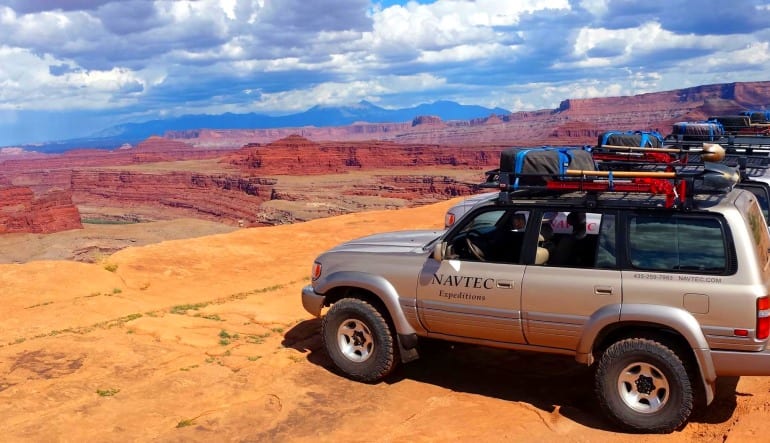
(152, 150)
(227, 199)
(22, 211)
(37, 187)
(298, 155)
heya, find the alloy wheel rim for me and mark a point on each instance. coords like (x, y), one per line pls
(355, 340)
(643, 387)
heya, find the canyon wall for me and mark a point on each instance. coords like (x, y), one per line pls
(23, 211)
(260, 176)
(298, 155)
(228, 199)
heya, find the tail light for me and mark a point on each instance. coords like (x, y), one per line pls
(449, 219)
(763, 318)
(316, 272)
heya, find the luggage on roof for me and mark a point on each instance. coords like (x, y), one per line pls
(757, 116)
(733, 122)
(644, 139)
(536, 166)
(699, 131)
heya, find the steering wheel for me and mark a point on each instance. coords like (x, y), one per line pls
(473, 248)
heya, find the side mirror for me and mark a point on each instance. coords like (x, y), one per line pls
(438, 251)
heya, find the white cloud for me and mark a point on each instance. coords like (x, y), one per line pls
(337, 94)
(596, 7)
(26, 83)
(184, 56)
(444, 24)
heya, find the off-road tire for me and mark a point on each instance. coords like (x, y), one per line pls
(643, 386)
(359, 340)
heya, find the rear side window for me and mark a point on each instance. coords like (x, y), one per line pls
(680, 244)
(756, 224)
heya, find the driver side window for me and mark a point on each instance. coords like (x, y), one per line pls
(496, 236)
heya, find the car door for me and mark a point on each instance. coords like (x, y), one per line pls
(463, 295)
(580, 278)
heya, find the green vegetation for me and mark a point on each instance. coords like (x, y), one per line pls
(225, 338)
(185, 423)
(182, 309)
(107, 392)
(103, 221)
(112, 267)
(257, 339)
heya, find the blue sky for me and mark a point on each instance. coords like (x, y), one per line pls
(70, 68)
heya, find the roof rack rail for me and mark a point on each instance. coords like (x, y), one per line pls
(677, 187)
(751, 155)
(730, 142)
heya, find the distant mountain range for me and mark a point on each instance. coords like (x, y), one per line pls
(317, 116)
(574, 121)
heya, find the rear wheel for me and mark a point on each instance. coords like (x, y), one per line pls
(359, 340)
(643, 386)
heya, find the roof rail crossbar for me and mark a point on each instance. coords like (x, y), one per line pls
(677, 186)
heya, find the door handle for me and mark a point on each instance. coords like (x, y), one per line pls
(506, 284)
(603, 290)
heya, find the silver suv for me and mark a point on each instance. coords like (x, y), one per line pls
(659, 298)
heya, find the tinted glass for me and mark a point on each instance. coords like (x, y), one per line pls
(670, 243)
(495, 236)
(605, 254)
(761, 193)
(756, 223)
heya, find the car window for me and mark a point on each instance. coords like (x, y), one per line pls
(761, 192)
(570, 238)
(606, 253)
(485, 219)
(759, 235)
(672, 243)
(495, 236)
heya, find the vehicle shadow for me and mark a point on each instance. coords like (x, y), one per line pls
(545, 381)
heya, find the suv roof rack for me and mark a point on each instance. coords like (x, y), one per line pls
(677, 187)
(685, 164)
(729, 141)
(750, 154)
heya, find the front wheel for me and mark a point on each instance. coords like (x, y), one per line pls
(359, 340)
(643, 386)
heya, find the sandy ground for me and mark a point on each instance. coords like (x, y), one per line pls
(96, 242)
(205, 339)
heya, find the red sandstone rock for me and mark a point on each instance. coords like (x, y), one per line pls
(426, 141)
(427, 120)
(22, 211)
(298, 155)
(223, 198)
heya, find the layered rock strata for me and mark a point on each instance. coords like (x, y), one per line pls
(22, 211)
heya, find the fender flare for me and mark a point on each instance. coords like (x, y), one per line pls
(377, 285)
(673, 318)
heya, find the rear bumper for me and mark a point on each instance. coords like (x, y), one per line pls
(736, 363)
(311, 301)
